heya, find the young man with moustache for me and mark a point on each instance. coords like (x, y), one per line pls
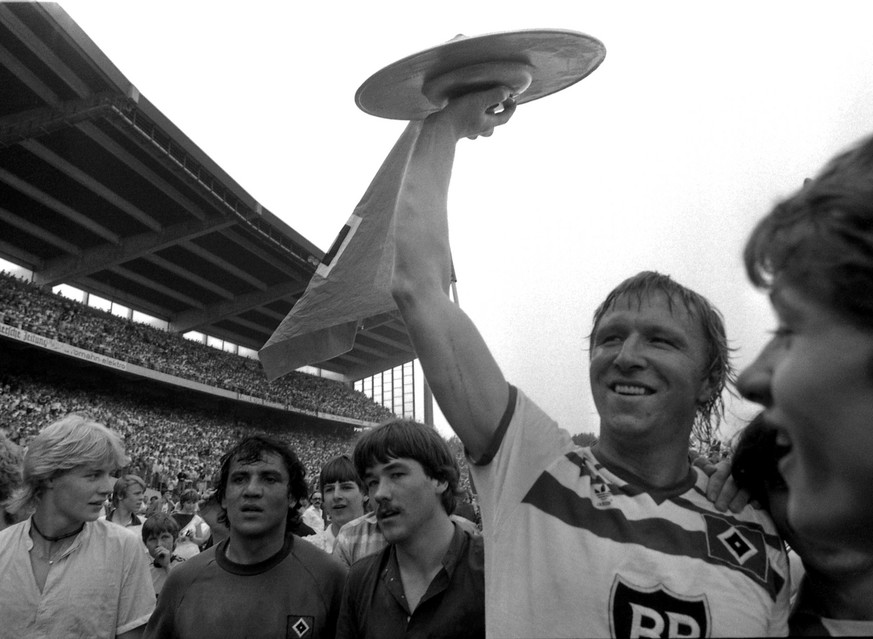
(261, 581)
(618, 539)
(429, 580)
(63, 571)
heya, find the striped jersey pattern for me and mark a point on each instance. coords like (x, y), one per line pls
(575, 550)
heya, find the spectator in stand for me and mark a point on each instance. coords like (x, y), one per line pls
(344, 499)
(26, 306)
(174, 436)
(313, 516)
(193, 531)
(465, 508)
(63, 570)
(127, 502)
(260, 581)
(167, 506)
(154, 506)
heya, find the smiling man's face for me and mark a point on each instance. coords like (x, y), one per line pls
(648, 359)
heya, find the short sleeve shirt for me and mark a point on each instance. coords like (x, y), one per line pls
(576, 549)
(99, 587)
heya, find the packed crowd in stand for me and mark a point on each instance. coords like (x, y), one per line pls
(167, 441)
(26, 306)
(162, 440)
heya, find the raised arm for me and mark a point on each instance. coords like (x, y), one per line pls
(465, 379)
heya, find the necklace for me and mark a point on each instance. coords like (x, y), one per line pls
(66, 540)
(59, 537)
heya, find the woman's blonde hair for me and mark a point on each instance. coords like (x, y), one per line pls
(75, 440)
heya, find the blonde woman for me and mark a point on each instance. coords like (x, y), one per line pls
(64, 571)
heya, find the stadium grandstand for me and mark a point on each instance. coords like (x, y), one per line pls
(139, 279)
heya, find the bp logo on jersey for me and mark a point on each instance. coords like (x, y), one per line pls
(635, 611)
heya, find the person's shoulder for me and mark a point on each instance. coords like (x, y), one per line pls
(12, 533)
(310, 554)
(368, 564)
(324, 569)
(192, 566)
(105, 529)
(749, 515)
(367, 520)
(318, 540)
(465, 524)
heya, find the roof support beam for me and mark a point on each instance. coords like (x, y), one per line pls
(191, 320)
(155, 286)
(183, 273)
(42, 51)
(42, 121)
(257, 251)
(112, 294)
(37, 231)
(121, 154)
(70, 268)
(26, 76)
(19, 255)
(59, 207)
(90, 183)
(257, 328)
(224, 265)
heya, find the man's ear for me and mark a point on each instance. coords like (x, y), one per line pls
(707, 386)
(441, 486)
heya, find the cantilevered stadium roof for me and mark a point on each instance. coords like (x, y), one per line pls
(99, 190)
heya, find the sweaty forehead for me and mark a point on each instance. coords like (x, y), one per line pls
(651, 303)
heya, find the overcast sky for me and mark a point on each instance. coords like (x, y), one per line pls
(701, 117)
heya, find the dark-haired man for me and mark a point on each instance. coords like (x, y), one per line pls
(260, 582)
(617, 539)
(429, 581)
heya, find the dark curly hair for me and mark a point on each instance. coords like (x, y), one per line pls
(252, 449)
(412, 440)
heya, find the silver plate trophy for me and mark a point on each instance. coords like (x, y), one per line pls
(531, 63)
